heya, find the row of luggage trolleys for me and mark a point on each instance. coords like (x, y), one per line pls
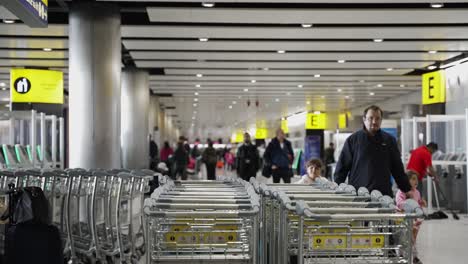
(98, 212)
(327, 223)
(203, 222)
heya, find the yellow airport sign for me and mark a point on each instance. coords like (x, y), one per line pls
(36, 86)
(342, 121)
(261, 133)
(433, 88)
(284, 126)
(316, 121)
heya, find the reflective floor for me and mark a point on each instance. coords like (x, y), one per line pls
(444, 241)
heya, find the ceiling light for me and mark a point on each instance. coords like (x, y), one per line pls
(300, 85)
(341, 61)
(308, 102)
(378, 40)
(194, 112)
(198, 85)
(203, 39)
(432, 67)
(346, 97)
(317, 75)
(8, 21)
(194, 105)
(246, 90)
(193, 117)
(362, 81)
(402, 85)
(323, 96)
(379, 85)
(253, 81)
(4, 88)
(230, 107)
(340, 90)
(2, 84)
(371, 93)
(195, 99)
(47, 49)
(205, 4)
(196, 93)
(199, 75)
(234, 102)
(288, 93)
(281, 51)
(437, 5)
(277, 100)
(7, 105)
(317, 112)
(389, 69)
(306, 25)
(432, 51)
(265, 69)
(454, 63)
(193, 124)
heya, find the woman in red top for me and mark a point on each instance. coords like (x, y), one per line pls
(166, 151)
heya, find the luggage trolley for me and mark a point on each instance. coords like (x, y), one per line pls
(274, 233)
(203, 222)
(355, 235)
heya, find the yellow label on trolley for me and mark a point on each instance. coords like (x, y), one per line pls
(186, 234)
(368, 241)
(328, 242)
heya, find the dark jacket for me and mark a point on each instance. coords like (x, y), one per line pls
(281, 157)
(248, 160)
(181, 156)
(210, 156)
(369, 161)
(153, 149)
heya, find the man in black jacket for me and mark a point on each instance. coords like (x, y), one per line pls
(370, 156)
(247, 159)
(279, 155)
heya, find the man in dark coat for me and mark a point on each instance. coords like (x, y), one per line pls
(279, 155)
(248, 159)
(370, 156)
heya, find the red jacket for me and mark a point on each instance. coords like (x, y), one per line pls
(165, 153)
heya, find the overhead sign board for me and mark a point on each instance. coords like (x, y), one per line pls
(433, 87)
(261, 133)
(342, 121)
(36, 86)
(284, 126)
(33, 13)
(316, 121)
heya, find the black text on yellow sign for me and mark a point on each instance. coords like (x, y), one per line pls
(433, 88)
(36, 86)
(316, 121)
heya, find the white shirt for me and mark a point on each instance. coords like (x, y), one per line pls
(306, 180)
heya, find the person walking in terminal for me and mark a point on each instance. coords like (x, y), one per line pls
(248, 159)
(421, 162)
(370, 156)
(181, 159)
(329, 159)
(210, 158)
(314, 172)
(279, 154)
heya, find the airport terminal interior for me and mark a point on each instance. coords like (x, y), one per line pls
(233, 131)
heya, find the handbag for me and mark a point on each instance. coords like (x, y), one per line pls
(266, 170)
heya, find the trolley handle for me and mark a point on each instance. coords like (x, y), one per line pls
(303, 209)
(220, 213)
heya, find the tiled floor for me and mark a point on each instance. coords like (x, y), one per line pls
(444, 241)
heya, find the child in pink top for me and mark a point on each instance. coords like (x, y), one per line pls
(401, 198)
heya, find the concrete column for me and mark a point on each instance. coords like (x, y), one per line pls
(410, 110)
(134, 120)
(95, 67)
